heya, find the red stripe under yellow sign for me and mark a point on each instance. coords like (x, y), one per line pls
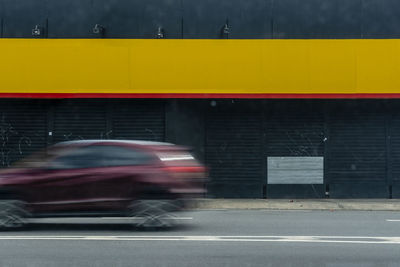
(199, 68)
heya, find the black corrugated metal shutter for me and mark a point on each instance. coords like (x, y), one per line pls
(357, 150)
(111, 119)
(23, 129)
(234, 153)
(295, 129)
(78, 120)
(140, 120)
(395, 149)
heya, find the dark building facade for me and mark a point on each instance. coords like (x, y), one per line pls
(316, 143)
(205, 19)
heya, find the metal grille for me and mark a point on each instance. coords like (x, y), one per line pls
(294, 132)
(22, 129)
(76, 120)
(142, 120)
(395, 147)
(357, 147)
(295, 135)
(233, 151)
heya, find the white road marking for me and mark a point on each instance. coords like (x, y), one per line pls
(139, 218)
(393, 220)
(200, 209)
(89, 220)
(288, 239)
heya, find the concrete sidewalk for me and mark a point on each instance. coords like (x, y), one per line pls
(299, 204)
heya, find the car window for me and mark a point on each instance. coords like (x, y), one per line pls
(101, 156)
(75, 159)
(121, 156)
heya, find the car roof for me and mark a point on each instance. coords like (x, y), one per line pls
(108, 141)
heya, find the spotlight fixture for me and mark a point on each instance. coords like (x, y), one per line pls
(37, 31)
(160, 33)
(98, 29)
(226, 30)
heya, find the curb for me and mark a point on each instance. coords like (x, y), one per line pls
(286, 204)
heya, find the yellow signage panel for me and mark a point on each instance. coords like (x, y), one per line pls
(199, 67)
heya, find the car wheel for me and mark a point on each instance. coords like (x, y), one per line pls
(152, 213)
(12, 214)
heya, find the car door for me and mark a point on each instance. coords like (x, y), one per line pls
(66, 181)
(91, 178)
(119, 174)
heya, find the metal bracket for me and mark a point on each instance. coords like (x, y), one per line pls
(226, 30)
(160, 33)
(98, 29)
(37, 31)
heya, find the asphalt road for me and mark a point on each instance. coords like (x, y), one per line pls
(212, 238)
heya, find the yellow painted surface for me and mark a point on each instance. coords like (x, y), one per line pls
(199, 66)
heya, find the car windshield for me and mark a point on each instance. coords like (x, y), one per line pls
(38, 159)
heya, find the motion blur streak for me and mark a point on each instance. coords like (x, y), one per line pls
(95, 178)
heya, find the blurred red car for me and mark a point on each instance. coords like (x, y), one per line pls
(101, 178)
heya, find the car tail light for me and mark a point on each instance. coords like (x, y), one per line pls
(187, 172)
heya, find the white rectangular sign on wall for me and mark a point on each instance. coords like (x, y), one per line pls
(295, 170)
